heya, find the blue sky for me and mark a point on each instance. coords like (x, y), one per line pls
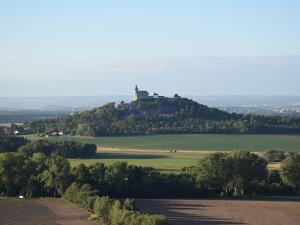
(211, 47)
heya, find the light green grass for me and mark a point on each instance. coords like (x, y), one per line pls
(201, 142)
(154, 151)
(165, 162)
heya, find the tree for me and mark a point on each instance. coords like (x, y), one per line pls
(234, 172)
(290, 170)
(247, 169)
(15, 171)
(57, 175)
(116, 177)
(274, 156)
(213, 171)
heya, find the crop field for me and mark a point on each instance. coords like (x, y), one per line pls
(163, 160)
(197, 142)
(170, 153)
(42, 212)
(206, 212)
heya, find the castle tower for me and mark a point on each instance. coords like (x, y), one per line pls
(136, 93)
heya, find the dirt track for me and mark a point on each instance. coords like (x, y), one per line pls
(220, 212)
(41, 212)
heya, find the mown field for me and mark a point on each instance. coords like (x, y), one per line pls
(170, 153)
(165, 161)
(198, 142)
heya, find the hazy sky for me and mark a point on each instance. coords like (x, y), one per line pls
(94, 47)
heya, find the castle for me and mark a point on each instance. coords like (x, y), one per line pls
(140, 95)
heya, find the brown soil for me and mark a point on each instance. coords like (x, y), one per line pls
(221, 212)
(42, 212)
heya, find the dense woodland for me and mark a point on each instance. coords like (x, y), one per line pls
(227, 174)
(67, 149)
(11, 143)
(163, 116)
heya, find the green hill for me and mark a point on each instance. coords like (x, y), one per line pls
(163, 116)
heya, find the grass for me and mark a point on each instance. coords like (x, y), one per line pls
(161, 160)
(199, 142)
(159, 151)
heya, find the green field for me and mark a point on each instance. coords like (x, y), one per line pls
(196, 142)
(162, 160)
(159, 151)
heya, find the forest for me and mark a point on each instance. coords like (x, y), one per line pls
(236, 173)
(67, 149)
(162, 116)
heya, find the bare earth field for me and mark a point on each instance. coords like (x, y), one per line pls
(41, 212)
(220, 212)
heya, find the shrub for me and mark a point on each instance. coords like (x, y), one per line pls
(81, 196)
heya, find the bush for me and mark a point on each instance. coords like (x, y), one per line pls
(274, 156)
(81, 196)
(102, 206)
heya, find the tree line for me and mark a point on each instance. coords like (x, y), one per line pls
(67, 149)
(110, 211)
(234, 173)
(11, 143)
(163, 116)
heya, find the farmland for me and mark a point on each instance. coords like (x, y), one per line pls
(42, 211)
(170, 153)
(197, 142)
(178, 211)
(192, 212)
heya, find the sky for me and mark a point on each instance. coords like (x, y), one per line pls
(190, 47)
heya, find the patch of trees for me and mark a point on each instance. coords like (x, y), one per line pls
(232, 173)
(163, 116)
(274, 156)
(235, 173)
(11, 143)
(110, 211)
(67, 149)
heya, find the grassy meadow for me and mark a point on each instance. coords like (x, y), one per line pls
(170, 153)
(196, 142)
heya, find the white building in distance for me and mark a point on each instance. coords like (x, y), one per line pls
(140, 95)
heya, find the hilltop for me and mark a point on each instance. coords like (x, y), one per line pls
(162, 116)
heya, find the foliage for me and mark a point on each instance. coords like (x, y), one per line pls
(232, 172)
(163, 116)
(290, 170)
(67, 149)
(82, 196)
(11, 143)
(111, 212)
(274, 156)
(237, 172)
(57, 176)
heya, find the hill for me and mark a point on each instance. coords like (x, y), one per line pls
(163, 116)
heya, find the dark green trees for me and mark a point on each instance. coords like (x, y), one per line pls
(67, 149)
(290, 170)
(274, 156)
(164, 116)
(11, 143)
(232, 172)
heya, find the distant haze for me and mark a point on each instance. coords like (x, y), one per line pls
(74, 103)
(91, 48)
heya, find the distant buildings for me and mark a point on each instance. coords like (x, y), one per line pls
(140, 95)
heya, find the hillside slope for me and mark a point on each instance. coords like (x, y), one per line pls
(163, 116)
